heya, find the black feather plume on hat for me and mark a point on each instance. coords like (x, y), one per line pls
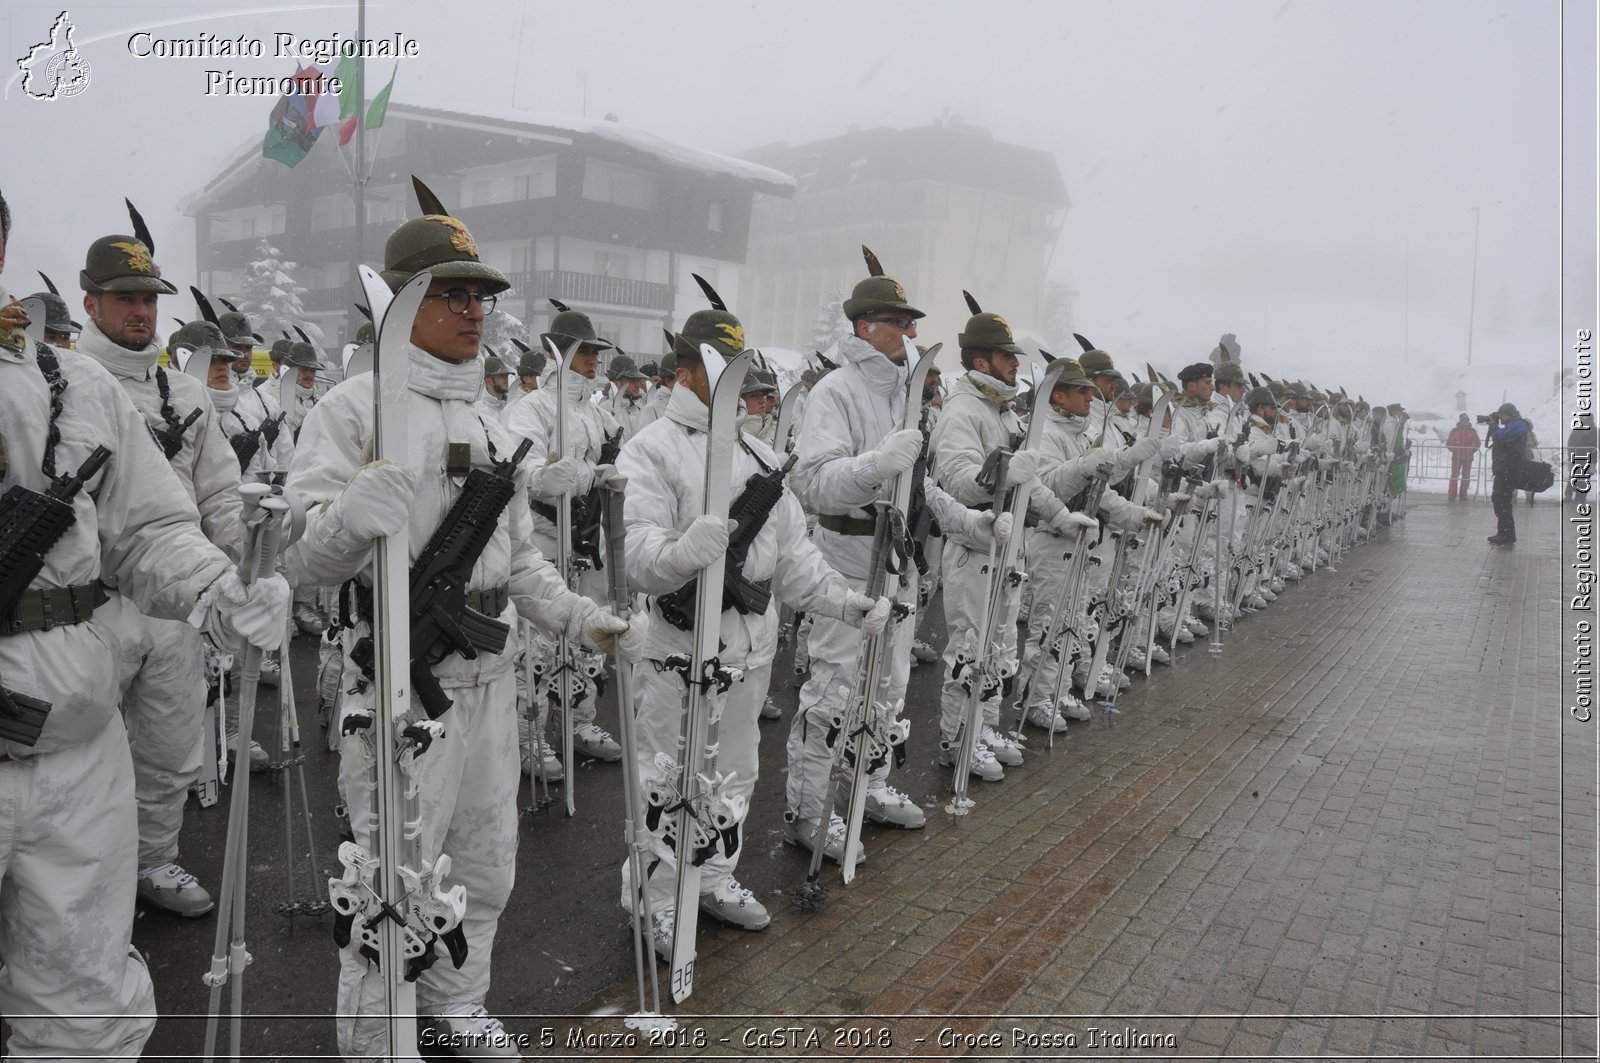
(711, 293)
(1083, 341)
(874, 267)
(207, 311)
(559, 305)
(429, 202)
(972, 304)
(48, 283)
(141, 231)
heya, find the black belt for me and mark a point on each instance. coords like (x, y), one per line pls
(41, 610)
(843, 525)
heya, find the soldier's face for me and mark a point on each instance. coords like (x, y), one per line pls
(1002, 365)
(885, 335)
(242, 353)
(128, 319)
(693, 376)
(1073, 400)
(219, 376)
(443, 333)
(499, 385)
(59, 339)
(529, 382)
(308, 377)
(1107, 386)
(585, 361)
(1124, 405)
(1201, 389)
(633, 388)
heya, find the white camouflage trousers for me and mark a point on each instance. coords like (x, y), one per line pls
(468, 801)
(162, 671)
(966, 594)
(657, 729)
(72, 984)
(835, 649)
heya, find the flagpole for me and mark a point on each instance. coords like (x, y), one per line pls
(361, 163)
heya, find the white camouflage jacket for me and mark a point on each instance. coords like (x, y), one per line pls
(665, 466)
(441, 410)
(135, 529)
(847, 414)
(205, 463)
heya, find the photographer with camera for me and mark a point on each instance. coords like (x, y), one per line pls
(1507, 440)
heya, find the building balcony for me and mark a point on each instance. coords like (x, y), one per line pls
(591, 288)
(583, 289)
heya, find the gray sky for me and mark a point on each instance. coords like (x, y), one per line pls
(1284, 170)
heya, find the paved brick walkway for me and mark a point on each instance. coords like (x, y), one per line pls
(1341, 837)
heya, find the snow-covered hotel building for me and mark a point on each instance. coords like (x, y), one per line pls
(607, 217)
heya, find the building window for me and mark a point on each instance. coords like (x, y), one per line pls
(609, 182)
(611, 263)
(715, 221)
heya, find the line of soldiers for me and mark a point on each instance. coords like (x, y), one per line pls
(1152, 512)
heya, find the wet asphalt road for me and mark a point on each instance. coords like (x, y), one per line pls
(563, 939)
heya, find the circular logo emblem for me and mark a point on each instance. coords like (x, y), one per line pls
(66, 74)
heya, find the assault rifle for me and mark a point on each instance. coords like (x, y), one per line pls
(30, 526)
(441, 621)
(170, 438)
(588, 510)
(247, 443)
(750, 510)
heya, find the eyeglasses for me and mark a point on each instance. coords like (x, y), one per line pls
(459, 299)
(904, 324)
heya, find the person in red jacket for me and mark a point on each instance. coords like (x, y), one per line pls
(1463, 442)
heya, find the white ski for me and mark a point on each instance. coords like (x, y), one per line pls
(695, 827)
(983, 671)
(873, 719)
(391, 640)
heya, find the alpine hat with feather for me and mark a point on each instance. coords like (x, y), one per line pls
(121, 263)
(878, 294)
(438, 243)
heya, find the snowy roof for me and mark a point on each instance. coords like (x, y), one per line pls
(625, 136)
(958, 154)
(509, 122)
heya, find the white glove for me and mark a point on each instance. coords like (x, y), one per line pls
(1068, 522)
(1283, 469)
(869, 614)
(1154, 518)
(377, 500)
(608, 476)
(257, 614)
(1000, 527)
(705, 540)
(1177, 498)
(1024, 466)
(1092, 460)
(1260, 448)
(611, 634)
(1142, 450)
(1208, 490)
(1197, 450)
(897, 453)
(564, 476)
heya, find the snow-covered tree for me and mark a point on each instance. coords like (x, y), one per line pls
(273, 299)
(1056, 318)
(830, 326)
(500, 329)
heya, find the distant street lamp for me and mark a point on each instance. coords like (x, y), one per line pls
(1472, 301)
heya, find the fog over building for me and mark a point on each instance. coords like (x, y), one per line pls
(946, 207)
(595, 213)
